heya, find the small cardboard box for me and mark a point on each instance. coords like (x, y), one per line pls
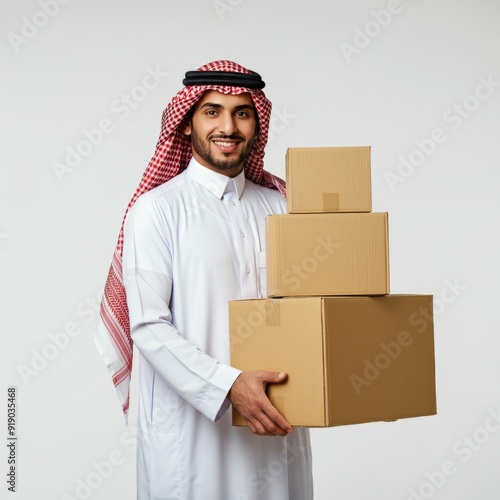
(349, 359)
(328, 179)
(327, 254)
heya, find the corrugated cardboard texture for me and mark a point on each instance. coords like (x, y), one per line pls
(257, 345)
(327, 254)
(380, 353)
(349, 359)
(328, 179)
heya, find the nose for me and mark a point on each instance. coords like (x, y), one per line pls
(227, 124)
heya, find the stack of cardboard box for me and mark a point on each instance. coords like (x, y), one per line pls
(352, 352)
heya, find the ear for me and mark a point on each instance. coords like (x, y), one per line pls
(186, 127)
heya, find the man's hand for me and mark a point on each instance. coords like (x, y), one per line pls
(248, 396)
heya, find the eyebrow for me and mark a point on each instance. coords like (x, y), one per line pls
(220, 106)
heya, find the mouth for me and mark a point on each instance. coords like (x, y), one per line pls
(226, 145)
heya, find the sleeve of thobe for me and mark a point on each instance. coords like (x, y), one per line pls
(147, 272)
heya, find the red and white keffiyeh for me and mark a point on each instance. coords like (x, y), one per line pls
(171, 157)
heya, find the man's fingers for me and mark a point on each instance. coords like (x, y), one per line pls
(272, 420)
(273, 377)
(272, 412)
(278, 420)
(271, 426)
(263, 426)
(248, 396)
(256, 426)
(251, 427)
(260, 422)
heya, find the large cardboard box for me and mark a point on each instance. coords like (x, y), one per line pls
(327, 254)
(349, 359)
(328, 179)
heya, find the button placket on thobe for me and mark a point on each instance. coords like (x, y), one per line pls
(244, 242)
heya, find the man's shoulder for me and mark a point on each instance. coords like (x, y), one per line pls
(163, 191)
(266, 191)
(160, 196)
(270, 196)
(166, 189)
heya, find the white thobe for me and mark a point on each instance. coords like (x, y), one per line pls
(191, 245)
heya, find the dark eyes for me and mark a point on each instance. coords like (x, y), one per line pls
(239, 114)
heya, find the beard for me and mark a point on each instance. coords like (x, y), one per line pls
(202, 147)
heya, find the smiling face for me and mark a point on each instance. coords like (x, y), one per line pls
(222, 129)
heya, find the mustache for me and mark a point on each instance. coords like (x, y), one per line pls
(230, 137)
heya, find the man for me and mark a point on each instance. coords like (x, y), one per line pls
(193, 240)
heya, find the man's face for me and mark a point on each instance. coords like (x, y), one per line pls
(222, 130)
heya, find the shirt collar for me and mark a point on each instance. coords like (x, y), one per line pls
(216, 183)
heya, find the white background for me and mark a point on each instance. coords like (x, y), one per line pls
(390, 89)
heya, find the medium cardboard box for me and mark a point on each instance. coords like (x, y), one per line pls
(327, 254)
(349, 359)
(328, 180)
